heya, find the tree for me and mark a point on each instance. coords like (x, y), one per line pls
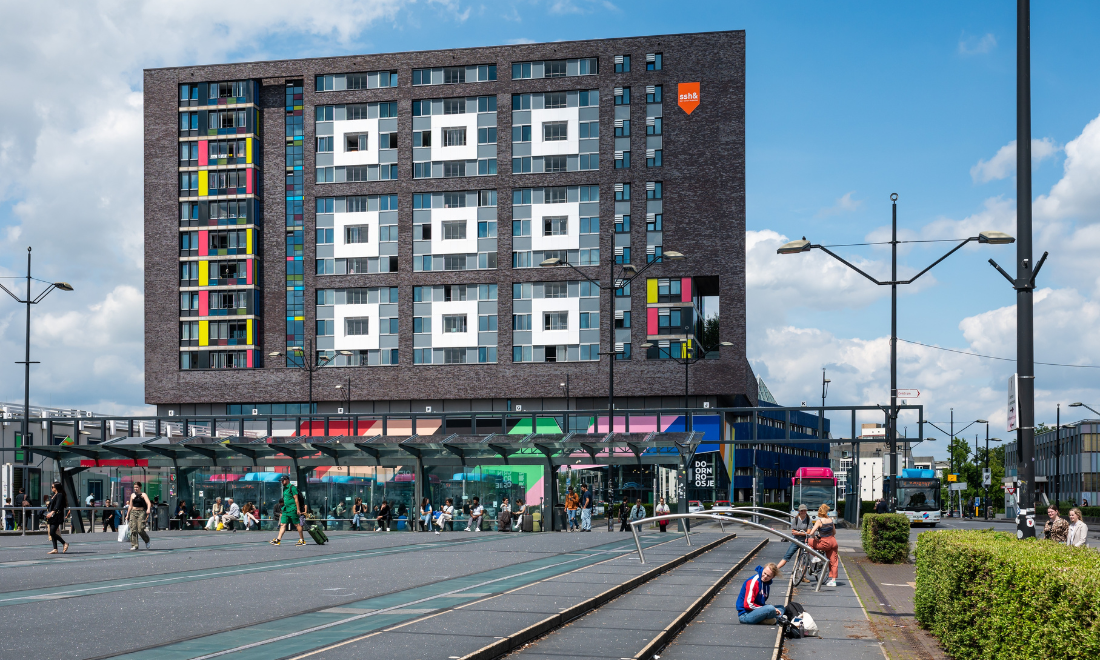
(710, 336)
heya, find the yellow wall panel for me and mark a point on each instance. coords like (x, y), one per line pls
(651, 291)
(204, 273)
(204, 179)
(204, 333)
(248, 245)
(250, 322)
(248, 150)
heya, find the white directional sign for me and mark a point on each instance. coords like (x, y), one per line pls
(987, 477)
(1013, 396)
(908, 394)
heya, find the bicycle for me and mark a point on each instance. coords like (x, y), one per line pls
(805, 568)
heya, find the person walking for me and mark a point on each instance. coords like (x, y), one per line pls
(55, 516)
(9, 515)
(662, 510)
(477, 512)
(637, 512)
(800, 526)
(446, 515)
(572, 501)
(752, 601)
(292, 512)
(136, 515)
(825, 541)
(586, 509)
(624, 516)
(425, 515)
(881, 506)
(1057, 528)
(89, 502)
(109, 516)
(232, 516)
(1078, 530)
(22, 501)
(357, 513)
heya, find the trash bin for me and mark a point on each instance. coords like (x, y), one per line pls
(162, 516)
(560, 519)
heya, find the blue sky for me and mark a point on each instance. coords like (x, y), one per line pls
(846, 103)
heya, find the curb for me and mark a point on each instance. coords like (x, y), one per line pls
(517, 639)
(779, 634)
(681, 621)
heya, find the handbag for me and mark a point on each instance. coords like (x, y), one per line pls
(123, 532)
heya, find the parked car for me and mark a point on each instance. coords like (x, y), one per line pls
(695, 506)
(721, 505)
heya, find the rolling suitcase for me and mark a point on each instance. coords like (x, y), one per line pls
(318, 535)
(529, 522)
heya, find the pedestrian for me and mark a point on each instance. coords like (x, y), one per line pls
(9, 515)
(799, 528)
(624, 516)
(752, 601)
(1084, 502)
(824, 531)
(1078, 531)
(446, 515)
(519, 511)
(22, 501)
(89, 502)
(293, 513)
(1057, 528)
(572, 501)
(425, 515)
(662, 510)
(109, 516)
(477, 512)
(881, 506)
(136, 515)
(382, 521)
(154, 517)
(357, 513)
(231, 516)
(637, 512)
(586, 509)
(55, 516)
(181, 513)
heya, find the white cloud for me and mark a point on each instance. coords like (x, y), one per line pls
(844, 204)
(1077, 193)
(975, 45)
(1003, 163)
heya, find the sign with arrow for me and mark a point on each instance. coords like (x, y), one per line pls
(908, 394)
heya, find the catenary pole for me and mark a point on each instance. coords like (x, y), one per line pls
(1025, 339)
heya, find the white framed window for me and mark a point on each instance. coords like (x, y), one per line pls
(454, 229)
(555, 321)
(556, 290)
(454, 323)
(356, 327)
(454, 137)
(555, 100)
(355, 142)
(556, 225)
(356, 234)
(555, 131)
(454, 356)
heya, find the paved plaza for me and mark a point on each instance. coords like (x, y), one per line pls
(199, 595)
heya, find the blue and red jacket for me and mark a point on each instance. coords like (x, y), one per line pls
(754, 593)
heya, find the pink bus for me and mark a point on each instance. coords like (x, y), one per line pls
(813, 486)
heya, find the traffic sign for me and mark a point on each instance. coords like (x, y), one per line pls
(961, 485)
(952, 477)
(908, 394)
(987, 477)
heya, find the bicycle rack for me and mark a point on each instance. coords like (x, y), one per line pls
(720, 519)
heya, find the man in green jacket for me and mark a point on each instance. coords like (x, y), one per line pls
(292, 511)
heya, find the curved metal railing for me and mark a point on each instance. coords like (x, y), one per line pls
(722, 519)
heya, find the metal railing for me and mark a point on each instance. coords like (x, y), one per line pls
(722, 519)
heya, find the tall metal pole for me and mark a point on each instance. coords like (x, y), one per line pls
(985, 498)
(951, 458)
(27, 360)
(892, 426)
(1058, 456)
(611, 348)
(1025, 339)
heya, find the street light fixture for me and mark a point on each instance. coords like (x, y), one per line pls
(28, 301)
(627, 273)
(692, 358)
(1079, 405)
(804, 245)
(315, 364)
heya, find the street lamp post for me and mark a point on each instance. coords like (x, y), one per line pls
(987, 441)
(692, 358)
(669, 255)
(803, 245)
(824, 387)
(950, 454)
(28, 301)
(310, 364)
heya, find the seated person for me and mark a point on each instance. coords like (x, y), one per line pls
(752, 602)
(477, 512)
(232, 516)
(446, 514)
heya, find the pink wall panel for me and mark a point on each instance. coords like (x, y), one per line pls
(204, 152)
(204, 242)
(651, 321)
(248, 180)
(249, 355)
(248, 273)
(204, 303)
(685, 289)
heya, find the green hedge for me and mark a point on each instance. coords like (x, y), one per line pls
(885, 537)
(987, 595)
(1087, 511)
(865, 507)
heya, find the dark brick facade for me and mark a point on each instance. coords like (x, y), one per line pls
(704, 199)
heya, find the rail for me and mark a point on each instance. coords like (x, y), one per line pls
(722, 519)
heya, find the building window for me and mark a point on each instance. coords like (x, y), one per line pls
(521, 321)
(555, 225)
(622, 257)
(653, 94)
(622, 160)
(356, 234)
(654, 222)
(552, 164)
(486, 72)
(454, 323)
(622, 96)
(590, 225)
(487, 323)
(653, 190)
(623, 322)
(556, 195)
(554, 69)
(453, 75)
(454, 168)
(422, 139)
(487, 135)
(454, 137)
(387, 140)
(454, 106)
(454, 356)
(555, 131)
(487, 354)
(622, 64)
(622, 192)
(454, 262)
(422, 324)
(324, 236)
(356, 327)
(556, 290)
(622, 128)
(653, 158)
(653, 61)
(589, 129)
(355, 142)
(622, 224)
(555, 321)
(653, 126)
(521, 133)
(553, 100)
(454, 229)
(521, 228)
(590, 320)
(324, 145)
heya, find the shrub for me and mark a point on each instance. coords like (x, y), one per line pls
(865, 507)
(1063, 510)
(987, 595)
(885, 537)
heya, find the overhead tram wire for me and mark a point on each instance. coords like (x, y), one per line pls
(993, 357)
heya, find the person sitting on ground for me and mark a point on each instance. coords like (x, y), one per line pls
(824, 541)
(446, 515)
(637, 512)
(752, 601)
(1057, 527)
(109, 516)
(1078, 531)
(232, 515)
(477, 512)
(799, 527)
(519, 511)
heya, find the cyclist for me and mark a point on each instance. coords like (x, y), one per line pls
(824, 541)
(799, 529)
